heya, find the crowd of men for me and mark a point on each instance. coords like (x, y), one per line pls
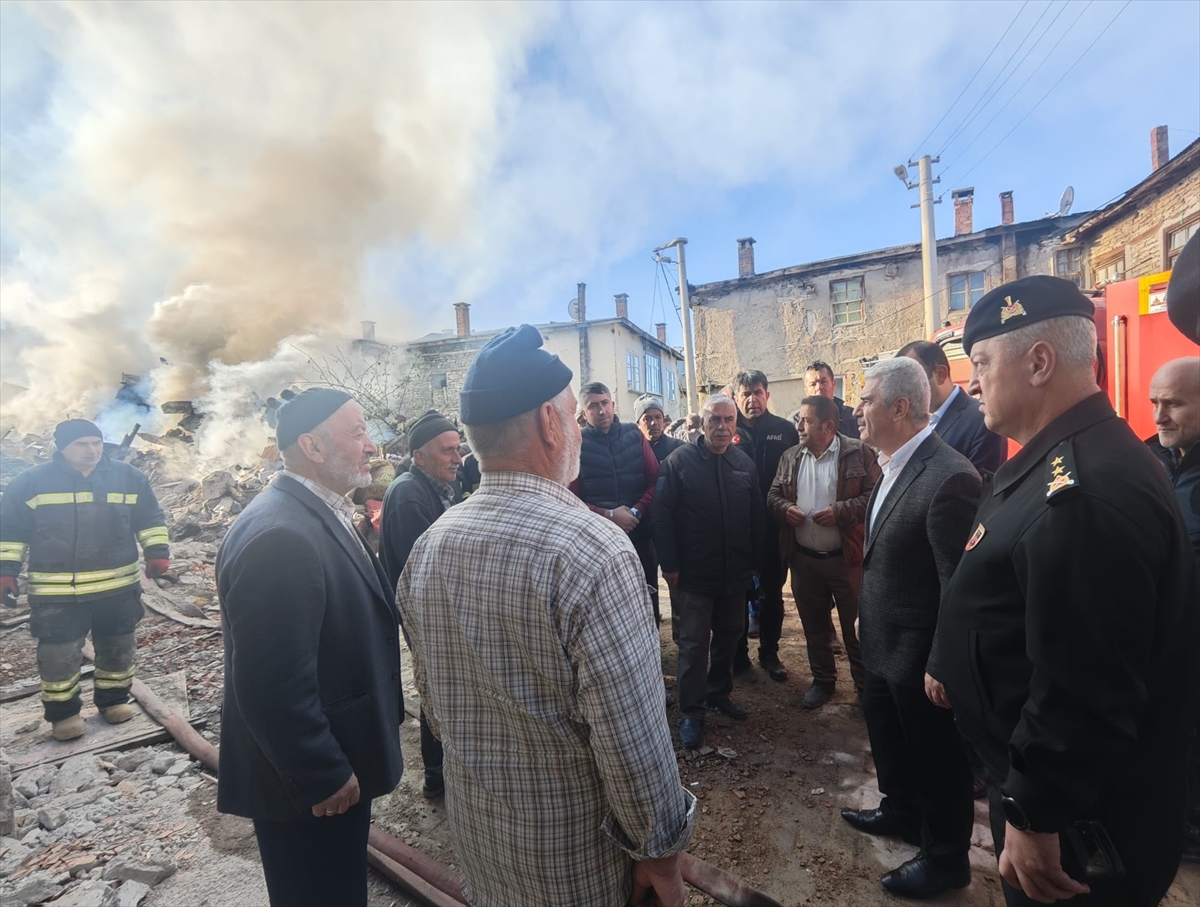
(1035, 616)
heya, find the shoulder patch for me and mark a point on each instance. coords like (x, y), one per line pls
(1061, 475)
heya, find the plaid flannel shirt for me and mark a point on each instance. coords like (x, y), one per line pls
(538, 666)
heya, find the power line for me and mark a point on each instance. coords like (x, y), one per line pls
(1070, 28)
(984, 98)
(1049, 91)
(970, 81)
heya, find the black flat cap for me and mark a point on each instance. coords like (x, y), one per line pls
(305, 411)
(511, 375)
(1026, 301)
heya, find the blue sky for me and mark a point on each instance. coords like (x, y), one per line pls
(206, 178)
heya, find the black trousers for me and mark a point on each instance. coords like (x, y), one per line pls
(709, 627)
(770, 613)
(431, 748)
(316, 862)
(643, 544)
(923, 770)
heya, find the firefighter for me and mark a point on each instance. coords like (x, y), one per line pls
(78, 517)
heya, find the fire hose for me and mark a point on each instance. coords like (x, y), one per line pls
(413, 871)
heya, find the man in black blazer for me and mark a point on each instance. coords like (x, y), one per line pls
(410, 506)
(312, 708)
(918, 519)
(953, 413)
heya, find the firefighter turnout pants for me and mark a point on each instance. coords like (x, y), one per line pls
(61, 627)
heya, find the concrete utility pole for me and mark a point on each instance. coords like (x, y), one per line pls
(929, 268)
(689, 364)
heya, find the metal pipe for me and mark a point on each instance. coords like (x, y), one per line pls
(685, 313)
(724, 886)
(409, 882)
(929, 266)
(1120, 325)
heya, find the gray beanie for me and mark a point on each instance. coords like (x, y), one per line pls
(645, 402)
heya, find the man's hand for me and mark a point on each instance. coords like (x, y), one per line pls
(157, 566)
(657, 883)
(625, 519)
(794, 516)
(936, 692)
(346, 797)
(672, 578)
(1032, 862)
(825, 517)
(8, 591)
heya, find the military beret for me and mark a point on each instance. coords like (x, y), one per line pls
(1183, 292)
(1021, 302)
(305, 411)
(511, 375)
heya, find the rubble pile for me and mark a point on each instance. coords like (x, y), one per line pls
(99, 830)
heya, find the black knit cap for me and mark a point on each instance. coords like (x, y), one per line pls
(426, 427)
(1020, 302)
(1183, 292)
(73, 430)
(511, 375)
(306, 411)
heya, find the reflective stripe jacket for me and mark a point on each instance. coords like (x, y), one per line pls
(81, 533)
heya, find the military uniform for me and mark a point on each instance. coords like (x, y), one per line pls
(1064, 644)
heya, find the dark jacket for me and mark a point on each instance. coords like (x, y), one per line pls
(617, 468)
(858, 473)
(410, 505)
(664, 446)
(312, 660)
(81, 534)
(707, 519)
(961, 426)
(912, 548)
(1067, 639)
(1185, 479)
(847, 424)
(764, 443)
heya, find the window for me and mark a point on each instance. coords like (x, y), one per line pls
(1177, 239)
(633, 370)
(653, 375)
(1068, 263)
(670, 386)
(965, 290)
(847, 300)
(1113, 269)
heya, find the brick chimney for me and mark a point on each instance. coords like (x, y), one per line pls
(581, 302)
(1159, 154)
(368, 328)
(746, 257)
(462, 318)
(964, 200)
(622, 305)
(1006, 207)
(661, 330)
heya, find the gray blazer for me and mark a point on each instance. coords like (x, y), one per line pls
(912, 548)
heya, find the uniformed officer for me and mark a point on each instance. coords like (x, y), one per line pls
(1064, 640)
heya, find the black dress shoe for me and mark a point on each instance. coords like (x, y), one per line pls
(726, 706)
(877, 822)
(774, 669)
(434, 786)
(818, 694)
(691, 731)
(919, 878)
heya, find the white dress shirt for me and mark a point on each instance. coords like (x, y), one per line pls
(936, 416)
(892, 467)
(816, 489)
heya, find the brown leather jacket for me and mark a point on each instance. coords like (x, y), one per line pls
(858, 472)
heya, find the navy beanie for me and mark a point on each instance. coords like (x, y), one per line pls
(305, 411)
(73, 430)
(511, 375)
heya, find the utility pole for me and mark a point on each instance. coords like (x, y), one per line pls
(929, 267)
(685, 311)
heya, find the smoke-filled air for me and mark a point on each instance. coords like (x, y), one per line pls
(207, 181)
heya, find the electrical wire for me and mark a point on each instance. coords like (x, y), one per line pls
(1049, 91)
(995, 47)
(1070, 28)
(988, 94)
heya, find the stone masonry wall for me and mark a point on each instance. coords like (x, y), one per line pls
(1142, 234)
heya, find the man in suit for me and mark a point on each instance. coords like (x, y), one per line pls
(410, 506)
(953, 413)
(918, 519)
(312, 708)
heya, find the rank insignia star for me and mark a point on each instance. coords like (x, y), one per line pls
(1012, 310)
(1059, 482)
(1057, 461)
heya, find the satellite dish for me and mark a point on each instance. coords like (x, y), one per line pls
(1064, 203)
(573, 309)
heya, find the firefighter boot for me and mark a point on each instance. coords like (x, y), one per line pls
(58, 666)
(114, 675)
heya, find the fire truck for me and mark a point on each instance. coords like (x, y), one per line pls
(1135, 337)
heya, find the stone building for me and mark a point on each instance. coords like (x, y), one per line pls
(614, 351)
(1142, 232)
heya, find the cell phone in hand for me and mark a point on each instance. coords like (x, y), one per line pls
(1093, 851)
